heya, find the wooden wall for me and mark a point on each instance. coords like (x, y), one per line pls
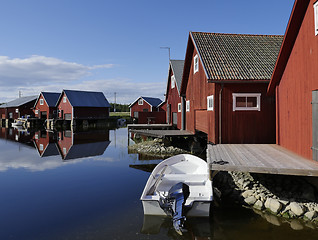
(90, 112)
(248, 126)
(173, 99)
(66, 107)
(139, 108)
(293, 94)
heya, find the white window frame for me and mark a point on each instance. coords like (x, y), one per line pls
(41, 147)
(64, 99)
(41, 101)
(179, 107)
(140, 101)
(17, 110)
(258, 105)
(210, 99)
(36, 111)
(316, 17)
(188, 106)
(195, 64)
(173, 81)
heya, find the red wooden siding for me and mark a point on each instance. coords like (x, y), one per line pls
(248, 126)
(65, 108)
(139, 108)
(173, 99)
(293, 94)
(90, 112)
(152, 117)
(43, 108)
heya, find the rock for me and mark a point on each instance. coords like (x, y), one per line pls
(310, 215)
(273, 205)
(259, 205)
(247, 193)
(250, 200)
(284, 202)
(296, 225)
(272, 219)
(245, 184)
(296, 208)
(240, 181)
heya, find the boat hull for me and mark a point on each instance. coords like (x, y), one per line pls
(198, 209)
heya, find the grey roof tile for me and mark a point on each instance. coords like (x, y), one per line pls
(238, 56)
(19, 101)
(177, 68)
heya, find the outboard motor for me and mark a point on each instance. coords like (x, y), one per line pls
(173, 205)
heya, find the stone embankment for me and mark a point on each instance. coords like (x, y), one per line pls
(156, 147)
(288, 197)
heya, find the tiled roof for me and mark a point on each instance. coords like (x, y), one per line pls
(19, 101)
(177, 67)
(51, 98)
(237, 56)
(86, 99)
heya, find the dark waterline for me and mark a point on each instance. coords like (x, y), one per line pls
(90, 189)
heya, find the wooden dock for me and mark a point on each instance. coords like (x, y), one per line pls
(162, 133)
(259, 158)
(149, 126)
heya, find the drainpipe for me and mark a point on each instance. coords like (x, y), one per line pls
(220, 114)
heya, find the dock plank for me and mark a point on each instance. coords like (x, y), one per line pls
(259, 158)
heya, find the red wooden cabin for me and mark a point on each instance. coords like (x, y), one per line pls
(18, 108)
(224, 87)
(147, 110)
(172, 102)
(295, 82)
(82, 105)
(45, 105)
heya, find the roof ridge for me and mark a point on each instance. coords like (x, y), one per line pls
(240, 34)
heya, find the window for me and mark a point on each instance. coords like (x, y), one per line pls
(179, 107)
(17, 110)
(141, 102)
(173, 81)
(247, 101)
(64, 99)
(41, 101)
(210, 103)
(188, 106)
(196, 64)
(64, 151)
(36, 111)
(41, 147)
(316, 17)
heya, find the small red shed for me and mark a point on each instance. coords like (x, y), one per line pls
(147, 110)
(294, 82)
(74, 104)
(224, 86)
(172, 102)
(45, 105)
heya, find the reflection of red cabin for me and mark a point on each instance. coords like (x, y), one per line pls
(82, 105)
(18, 108)
(82, 144)
(173, 99)
(45, 143)
(148, 110)
(224, 86)
(45, 105)
(295, 82)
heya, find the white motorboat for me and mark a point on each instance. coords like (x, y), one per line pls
(179, 186)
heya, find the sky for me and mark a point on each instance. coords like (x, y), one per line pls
(114, 46)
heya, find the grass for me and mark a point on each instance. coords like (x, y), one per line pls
(119, 114)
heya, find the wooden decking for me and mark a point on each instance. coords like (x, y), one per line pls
(259, 158)
(162, 133)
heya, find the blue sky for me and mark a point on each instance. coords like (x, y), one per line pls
(114, 46)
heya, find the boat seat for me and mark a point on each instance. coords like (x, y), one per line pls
(193, 178)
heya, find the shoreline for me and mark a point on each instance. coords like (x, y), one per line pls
(287, 197)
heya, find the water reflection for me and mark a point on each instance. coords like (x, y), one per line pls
(52, 146)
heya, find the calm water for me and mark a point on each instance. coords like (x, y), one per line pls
(87, 186)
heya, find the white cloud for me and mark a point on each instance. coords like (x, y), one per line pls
(39, 73)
